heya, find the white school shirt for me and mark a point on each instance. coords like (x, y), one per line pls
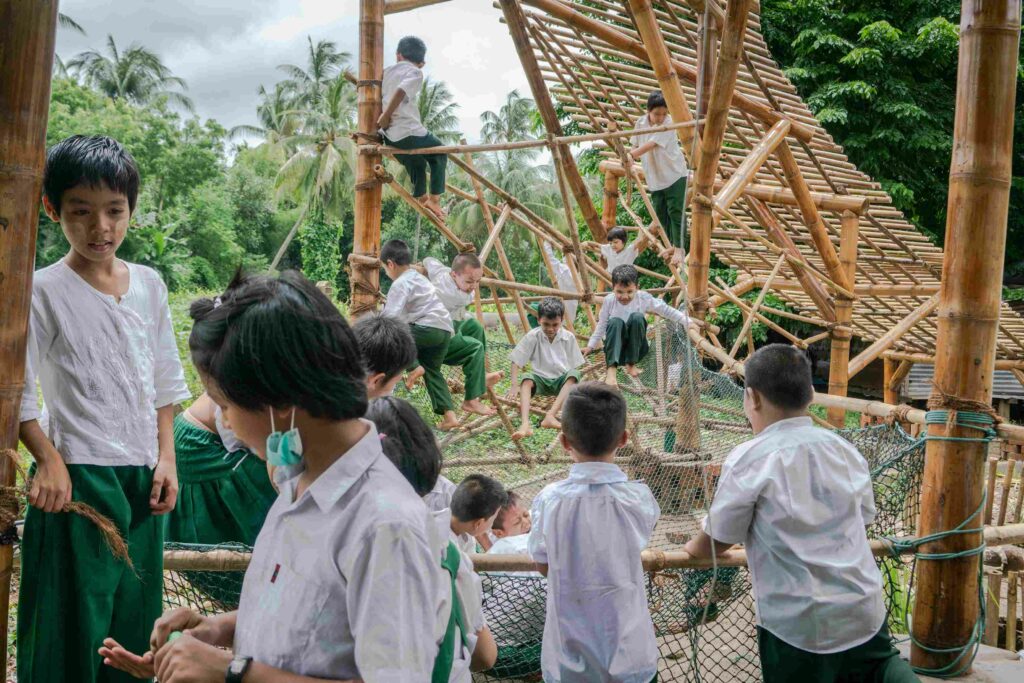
(104, 366)
(345, 581)
(564, 281)
(414, 300)
(590, 530)
(614, 259)
(453, 298)
(798, 497)
(549, 359)
(440, 497)
(643, 303)
(405, 121)
(665, 164)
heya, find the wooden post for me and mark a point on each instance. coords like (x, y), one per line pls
(946, 604)
(365, 280)
(839, 355)
(699, 261)
(889, 394)
(27, 32)
(611, 200)
(516, 21)
(707, 50)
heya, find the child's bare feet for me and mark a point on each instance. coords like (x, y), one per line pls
(523, 432)
(632, 371)
(449, 422)
(494, 377)
(610, 376)
(550, 422)
(476, 407)
(412, 377)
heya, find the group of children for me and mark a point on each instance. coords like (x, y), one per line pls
(360, 568)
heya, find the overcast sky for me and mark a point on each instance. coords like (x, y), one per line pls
(225, 49)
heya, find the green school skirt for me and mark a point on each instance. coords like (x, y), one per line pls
(74, 593)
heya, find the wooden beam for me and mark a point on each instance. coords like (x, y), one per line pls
(839, 352)
(751, 164)
(506, 211)
(757, 304)
(899, 375)
(889, 338)
(946, 605)
(890, 393)
(26, 62)
(918, 290)
(926, 359)
(741, 287)
(396, 6)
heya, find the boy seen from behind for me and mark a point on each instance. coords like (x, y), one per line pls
(799, 498)
(387, 348)
(475, 504)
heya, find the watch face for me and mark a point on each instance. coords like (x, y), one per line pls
(237, 666)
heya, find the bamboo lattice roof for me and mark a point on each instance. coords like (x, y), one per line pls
(891, 252)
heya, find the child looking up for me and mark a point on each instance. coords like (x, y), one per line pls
(388, 349)
(554, 357)
(587, 535)
(101, 345)
(664, 169)
(798, 497)
(475, 504)
(618, 251)
(401, 125)
(623, 323)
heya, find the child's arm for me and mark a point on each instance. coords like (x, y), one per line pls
(164, 494)
(170, 389)
(485, 654)
(659, 307)
(398, 296)
(700, 546)
(598, 335)
(384, 121)
(643, 149)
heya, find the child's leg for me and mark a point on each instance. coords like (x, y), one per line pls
(783, 663)
(526, 389)
(469, 353)
(431, 348)
(635, 345)
(553, 419)
(416, 166)
(675, 209)
(878, 661)
(472, 329)
(660, 202)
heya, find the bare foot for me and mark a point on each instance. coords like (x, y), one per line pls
(435, 208)
(550, 422)
(412, 377)
(632, 371)
(449, 422)
(523, 432)
(611, 376)
(494, 377)
(476, 407)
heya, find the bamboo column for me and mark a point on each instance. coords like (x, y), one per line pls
(516, 21)
(365, 281)
(611, 200)
(946, 603)
(27, 34)
(839, 354)
(889, 394)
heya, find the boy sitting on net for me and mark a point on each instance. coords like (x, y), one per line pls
(623, 323)
(554, 355)
(587, 535)
(475, 504)
(799, 497)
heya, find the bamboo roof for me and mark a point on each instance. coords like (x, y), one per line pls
(581, 70)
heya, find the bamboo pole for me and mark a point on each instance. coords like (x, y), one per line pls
(506, 210)
(737, 290)
(416, 206)
(990, 483)
(868, 355)
(900, 290)
(707, 52)
(946, 605)
(526, 287)
(366, 205)
(748, 168)
(839, 353)
(889, 393)
(395, 6)
(995, 583)
(757, 304)
(1010, 636)
(746, 310)
(1000, 363)
(611, 200)
(899, 374)
(26, 62)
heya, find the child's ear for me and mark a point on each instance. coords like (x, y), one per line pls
(565, 442)
(51, 212)
(623, 439)
(753, 397)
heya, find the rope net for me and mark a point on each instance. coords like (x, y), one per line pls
(704, 623)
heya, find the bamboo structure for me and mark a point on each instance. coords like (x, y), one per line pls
(946, 604)
(27, 34)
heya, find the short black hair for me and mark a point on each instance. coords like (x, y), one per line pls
(781, 374)
(407, 441)
(412, 49)
(655, 99)
(513, 501)
(397, 251)
(90, 160)
(617, 234)
(386, 344)
(594, 418)
(477, 497)
(625, 274)
(279, 342)
(550, 307)
(466, 260)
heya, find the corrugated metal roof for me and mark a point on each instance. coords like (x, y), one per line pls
(918, 385)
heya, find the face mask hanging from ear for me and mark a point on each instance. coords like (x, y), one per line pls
(284, 450)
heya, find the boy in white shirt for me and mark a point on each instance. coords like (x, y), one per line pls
(388, 349)
(102, 346)
(619, 251)
(554, 355)
(402, 128)
(564, 281)
(623, 323)
(587, 535)
(664, 169)
(799, 497)
(475, 503)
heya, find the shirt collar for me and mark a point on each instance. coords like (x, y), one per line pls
(407, 274)
(596, 473)
(788, 423)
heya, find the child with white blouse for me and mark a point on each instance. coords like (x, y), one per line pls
(622, 323)
(102, 347)
(618, 250)
(587, 535)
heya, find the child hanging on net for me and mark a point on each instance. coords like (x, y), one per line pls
(622, 323)
(799, 498)
(475, 503)
(665, 171)
(554, 357)
(402, 127)
(101, 345)
(564, 281)
(411, 446)
(587, 535)
(618, 250)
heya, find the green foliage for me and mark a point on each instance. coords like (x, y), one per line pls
(321, 248)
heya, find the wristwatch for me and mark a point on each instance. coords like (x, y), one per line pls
(237, 669)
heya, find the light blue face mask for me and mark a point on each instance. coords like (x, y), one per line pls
(284, 450)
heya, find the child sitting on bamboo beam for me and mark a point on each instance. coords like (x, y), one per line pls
(402, 128)
(555, 358)
(665, 171)
(623, 323)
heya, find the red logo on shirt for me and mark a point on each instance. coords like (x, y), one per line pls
(273, 577)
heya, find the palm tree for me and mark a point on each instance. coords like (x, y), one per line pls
(515, 120)
(60, 69)
(278, 118)
(437, 111)
(310, 85)
(136, 74)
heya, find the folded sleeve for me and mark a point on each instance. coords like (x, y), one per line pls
(435, 268)
(732, 509)
(471, 594)
(41, 333)
(170, 375)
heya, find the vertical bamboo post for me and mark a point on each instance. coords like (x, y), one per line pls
(707, 27)
(366, 239)
(27, 32)
(516, 21)
(1010, 637)
(992, 591)
(946, 605)
(839, 360)
(990, 487)
(611, 200)
(889, 394)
